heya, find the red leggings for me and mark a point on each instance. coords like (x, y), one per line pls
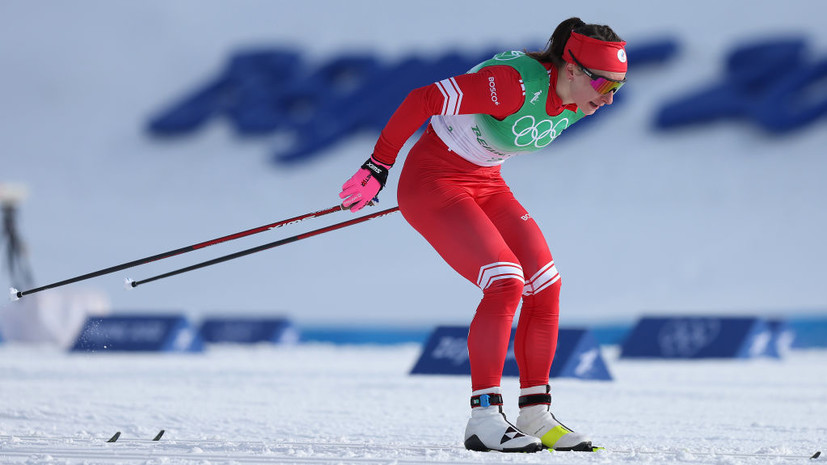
(469, 215)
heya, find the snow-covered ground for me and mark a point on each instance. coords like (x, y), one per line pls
(334, 404)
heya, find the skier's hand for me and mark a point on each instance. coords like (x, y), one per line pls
(363, 186)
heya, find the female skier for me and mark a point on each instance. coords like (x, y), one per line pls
(450, 190)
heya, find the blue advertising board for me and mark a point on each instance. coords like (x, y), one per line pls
(578, 355)
(249, 330)
(698, 337)
(138, 333)
(783, 336)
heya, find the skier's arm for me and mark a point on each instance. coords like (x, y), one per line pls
(494, 90)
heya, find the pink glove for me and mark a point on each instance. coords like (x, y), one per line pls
(364, 185)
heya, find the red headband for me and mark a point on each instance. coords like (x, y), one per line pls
(595, 53)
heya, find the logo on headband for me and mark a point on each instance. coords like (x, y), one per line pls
(621, 55)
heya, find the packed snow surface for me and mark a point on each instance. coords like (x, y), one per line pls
(358, 404)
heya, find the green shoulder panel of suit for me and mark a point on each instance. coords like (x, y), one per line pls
(531, 127)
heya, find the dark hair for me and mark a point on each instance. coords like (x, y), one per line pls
(557, 43)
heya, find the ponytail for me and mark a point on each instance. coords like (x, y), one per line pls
(557, 43)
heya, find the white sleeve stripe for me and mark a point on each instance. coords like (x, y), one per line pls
(459, 95)
(452, 95)
(444, 97)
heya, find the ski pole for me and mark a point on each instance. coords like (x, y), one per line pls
(131, 283)
(15, 294)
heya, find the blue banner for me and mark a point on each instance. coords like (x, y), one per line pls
(249, 330)
(138, 333)
(698, 337)
(578, 355)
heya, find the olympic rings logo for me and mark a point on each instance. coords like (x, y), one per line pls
(529, 131)
(507, 56)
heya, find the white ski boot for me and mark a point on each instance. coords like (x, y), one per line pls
(488, 428)
(536, 420)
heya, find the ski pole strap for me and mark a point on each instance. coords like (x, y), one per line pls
(486, 400)
(534, 399)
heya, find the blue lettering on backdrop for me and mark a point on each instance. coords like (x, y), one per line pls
(274, 90)
(771, 83)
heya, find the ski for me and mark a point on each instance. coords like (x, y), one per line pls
(815, 455)
(590, 448)
(117, 436)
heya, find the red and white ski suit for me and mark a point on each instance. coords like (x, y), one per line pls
(469, 215)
